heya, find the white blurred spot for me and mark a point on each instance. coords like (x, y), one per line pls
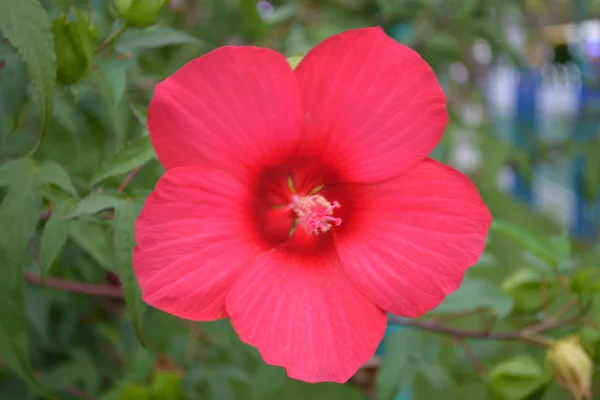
(482, 52)
(472, 114)
(465, 156)
(458, 73)
(264, 8)
(505, 179)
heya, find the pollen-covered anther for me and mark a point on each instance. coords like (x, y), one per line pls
(314, 213)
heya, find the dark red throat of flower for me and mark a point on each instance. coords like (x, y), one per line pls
(301, 199)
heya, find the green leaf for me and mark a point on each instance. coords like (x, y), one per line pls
(437, 375)
(37, 309)
(57, 196)
(19, 216)
(467, 8)
(535, 262)
(54, 238)
(51, 172)
(135, 392)
(20, 211)
(153, 37)
(391, 8)
(167, 385)
(562, 248)
(525, 287)
(398, 365)
(141, 116)
(297, 390)
(14, 346)
(133, 155)
(11, 171)
(13, 88)
(590, 336)
(96, 202)
(517, 378)
(252, 23)
(139, 363)
(79, 370)
(474, 294)
(27, 26)
(114, 73)
(124, 227)
(586, 281)
(65, 114)
(443, 44)
(529, 240)
(268, 380)
(487, 260)
(94, 240)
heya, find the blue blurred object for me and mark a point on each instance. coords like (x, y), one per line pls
(551, 105)
(525, 128)
(405, 393)
(403, 32)
(587, 217)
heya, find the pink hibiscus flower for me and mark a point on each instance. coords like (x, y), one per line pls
(301, 204)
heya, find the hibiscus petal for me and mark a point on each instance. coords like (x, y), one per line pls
(233, 108)
(371, 104)
(411, 239)
(193, 239)
(304, 314)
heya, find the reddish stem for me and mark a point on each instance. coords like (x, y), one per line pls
(129, 178)
(472, 356)
(523, 334)
(110, 39)
(76, 287)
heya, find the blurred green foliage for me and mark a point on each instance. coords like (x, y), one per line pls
(76, 164)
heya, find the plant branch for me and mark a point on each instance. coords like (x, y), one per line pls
(75, 287)
(564, 309)
(111, 38)
(470, 353)
(523, 334)
(129, 178)
(489, 323)
(544, 294)
(459, 315)
(528, 333)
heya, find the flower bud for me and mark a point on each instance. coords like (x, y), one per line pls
(571, 366)
(139, 13)
(74, 47)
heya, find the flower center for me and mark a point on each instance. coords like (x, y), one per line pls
(297, 203)
(314, 213)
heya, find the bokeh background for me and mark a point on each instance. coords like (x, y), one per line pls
(522, 79)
